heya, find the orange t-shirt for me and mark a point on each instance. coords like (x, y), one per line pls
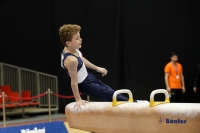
(175, 72)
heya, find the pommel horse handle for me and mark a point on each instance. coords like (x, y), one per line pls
(153, 103)
(115, 102)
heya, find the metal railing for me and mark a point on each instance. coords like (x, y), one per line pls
(22, 79)
(3, 95)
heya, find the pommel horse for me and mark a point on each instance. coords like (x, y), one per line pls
(136, 117)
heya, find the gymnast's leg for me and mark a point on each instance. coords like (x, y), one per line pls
(94, 87)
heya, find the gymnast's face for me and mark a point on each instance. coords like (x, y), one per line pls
(75, 42)
(174, 58)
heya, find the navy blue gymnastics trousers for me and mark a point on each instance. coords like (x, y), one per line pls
(92, 86)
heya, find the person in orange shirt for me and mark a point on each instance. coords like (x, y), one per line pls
(174, 79)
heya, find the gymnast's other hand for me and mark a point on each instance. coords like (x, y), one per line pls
(101, 70)
(78, 104)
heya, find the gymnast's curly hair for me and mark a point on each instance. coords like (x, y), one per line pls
(67, 31)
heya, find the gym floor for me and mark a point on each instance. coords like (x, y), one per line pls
(38, 118)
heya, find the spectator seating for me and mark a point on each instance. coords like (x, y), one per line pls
(7, 90)
(27, 99)
(12, 99)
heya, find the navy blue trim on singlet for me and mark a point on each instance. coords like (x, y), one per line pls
(80, 61)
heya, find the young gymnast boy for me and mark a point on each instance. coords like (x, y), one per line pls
(75, 65)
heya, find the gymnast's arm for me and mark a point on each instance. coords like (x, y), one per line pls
(88, 64)
(71, 65)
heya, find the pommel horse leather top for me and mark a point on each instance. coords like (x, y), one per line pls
(136, 117)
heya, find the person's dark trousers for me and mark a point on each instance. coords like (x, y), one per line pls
(176, 96)
(92, 86)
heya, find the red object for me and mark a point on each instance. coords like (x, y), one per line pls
(26, 97)
(7, 105)
(15, 99)
(6, 89)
